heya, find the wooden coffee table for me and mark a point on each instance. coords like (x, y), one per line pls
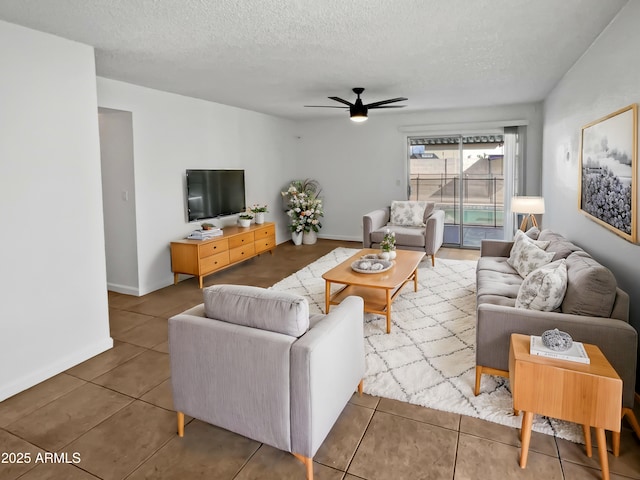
(378, 290)
(590, 395)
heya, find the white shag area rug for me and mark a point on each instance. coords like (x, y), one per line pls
(428, 358)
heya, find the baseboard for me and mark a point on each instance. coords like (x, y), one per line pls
(345, 238)
(125, 289)
(54, 368)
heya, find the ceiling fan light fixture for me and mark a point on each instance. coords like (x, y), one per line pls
(359, 117)
(358, 113)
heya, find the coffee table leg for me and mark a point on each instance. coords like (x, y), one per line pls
(602, 453)
(527, 421)
(327, 295)
(388, 311)
(415, 280)
(586, 429)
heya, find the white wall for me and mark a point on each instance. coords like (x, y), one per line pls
(362, 167)
(173, 133)
(604, 80)
(118, 197)
(53, 312)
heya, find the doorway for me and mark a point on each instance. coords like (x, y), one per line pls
(464, 176)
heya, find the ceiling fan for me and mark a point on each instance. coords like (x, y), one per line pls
(358, 110)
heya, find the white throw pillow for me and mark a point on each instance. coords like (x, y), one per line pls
(526, 255)
(544, 288)
(407, 213)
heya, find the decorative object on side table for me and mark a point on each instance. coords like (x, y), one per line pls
(207, 226)
(259, 211)
(557, 340)
(388, 245)
(304, 209)
(244, 219)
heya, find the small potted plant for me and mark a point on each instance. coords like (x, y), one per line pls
(259, 211)
(388, 245)
(206, 226)
(244, 219)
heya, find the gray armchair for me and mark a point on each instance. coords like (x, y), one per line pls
(252, 361)
(428, 238)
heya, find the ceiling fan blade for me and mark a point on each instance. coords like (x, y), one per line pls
(387, 106)
(326, 106)
(338, 99)
(383, 102)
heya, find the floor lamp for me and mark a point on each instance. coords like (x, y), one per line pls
(528, 206)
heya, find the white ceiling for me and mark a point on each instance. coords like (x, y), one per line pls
(274, 56)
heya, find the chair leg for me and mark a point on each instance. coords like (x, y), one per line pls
(433, 260)
(360, 385)
(476, 390)
(308, 463)
(180, 424)
(631, 417)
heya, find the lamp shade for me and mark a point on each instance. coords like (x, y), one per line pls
(528, 205)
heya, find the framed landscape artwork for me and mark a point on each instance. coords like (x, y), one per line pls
(608, 177)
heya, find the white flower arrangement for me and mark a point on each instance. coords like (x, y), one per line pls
(258, 208)
(304, 207)
(389, 241)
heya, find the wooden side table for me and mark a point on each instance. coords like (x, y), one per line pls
(590, 395)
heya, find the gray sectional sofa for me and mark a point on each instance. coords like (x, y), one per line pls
(594, 310)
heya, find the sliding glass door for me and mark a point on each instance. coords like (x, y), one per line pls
(464, 175)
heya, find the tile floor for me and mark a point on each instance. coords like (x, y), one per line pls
(114, 411)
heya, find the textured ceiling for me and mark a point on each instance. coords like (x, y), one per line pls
(274, 56)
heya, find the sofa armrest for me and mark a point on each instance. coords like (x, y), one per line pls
(373, 221)
(434, 232)
(495, 248)
(233, 376)
(617, 339)
(327, 363)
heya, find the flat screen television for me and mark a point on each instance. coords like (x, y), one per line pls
(214, 193)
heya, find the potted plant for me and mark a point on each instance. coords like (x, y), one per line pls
(388, 245)
(244, 219)
(304, 210)
(206, 226)
(259, 211)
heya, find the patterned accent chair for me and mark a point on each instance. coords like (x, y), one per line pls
(417, 230)
(254, 362)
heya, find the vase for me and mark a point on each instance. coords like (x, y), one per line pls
(296, 237)
(259, 218)
(244, 222)
(310, 237)
(383, 255)
(392, 254)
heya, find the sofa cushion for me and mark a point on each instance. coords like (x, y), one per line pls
(591, 287)
(256, 307)
(561, 247)
(407, 213)
(405, 236)
(526, 255)
(496, 264)
(544, 288)
(497, 284)
(533, 233)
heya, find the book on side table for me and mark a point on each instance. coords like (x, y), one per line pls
(576, 353)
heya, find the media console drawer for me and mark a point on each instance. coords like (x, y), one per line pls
(214, 262)
(241, 240)
(214, 247)
(236, 244)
